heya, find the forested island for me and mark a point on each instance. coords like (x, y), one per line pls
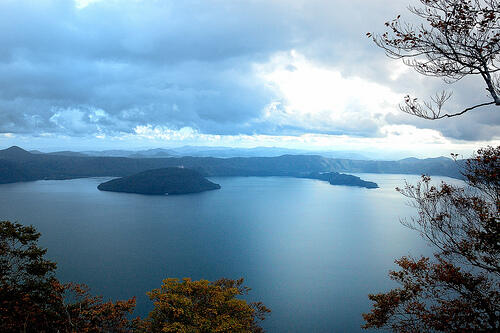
(160, 182)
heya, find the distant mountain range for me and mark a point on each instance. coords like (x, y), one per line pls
(203, 151)
(17, 164)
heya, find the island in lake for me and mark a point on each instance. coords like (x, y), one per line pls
(336, 178)
(160, 182)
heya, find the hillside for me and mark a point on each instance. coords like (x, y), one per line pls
(23, 166)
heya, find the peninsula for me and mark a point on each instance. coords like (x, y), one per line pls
(336, 178)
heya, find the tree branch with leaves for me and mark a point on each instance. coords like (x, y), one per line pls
(459, 291)
(455, 39)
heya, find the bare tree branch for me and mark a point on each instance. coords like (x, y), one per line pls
(432, 110)
(457, 38)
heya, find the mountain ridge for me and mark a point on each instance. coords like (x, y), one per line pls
(219, 151)
(25, 166)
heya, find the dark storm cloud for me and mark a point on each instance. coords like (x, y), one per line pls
(176, 63)
(115, 65)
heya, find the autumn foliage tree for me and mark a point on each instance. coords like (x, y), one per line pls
(202, 306)
(26, 280)
(452, 39)
(33, 300)
(459, 289)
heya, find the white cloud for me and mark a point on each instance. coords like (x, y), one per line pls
(164, 133)
(321, 98)
(397, 141)
(79, 120)
(70, 119)
(80, 4)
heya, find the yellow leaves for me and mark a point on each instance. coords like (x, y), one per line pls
(50, 306)
(203, 306)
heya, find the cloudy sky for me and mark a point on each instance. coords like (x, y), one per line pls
(100, 74)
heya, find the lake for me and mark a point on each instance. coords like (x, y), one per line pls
(310, 251)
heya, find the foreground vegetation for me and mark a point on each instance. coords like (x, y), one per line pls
(459, 289)
(32, 299)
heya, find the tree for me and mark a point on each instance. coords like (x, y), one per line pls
(26, 279)
(87, 313)
(33, 300)
(459, 291)
(455, 39)
(202, 306)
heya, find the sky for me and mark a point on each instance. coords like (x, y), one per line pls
(134, 74)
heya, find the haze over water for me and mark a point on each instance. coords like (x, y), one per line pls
(309, 251)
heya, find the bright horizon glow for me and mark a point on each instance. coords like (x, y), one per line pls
(148, 137)
(80, 4)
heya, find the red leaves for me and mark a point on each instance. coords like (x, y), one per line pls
(87, 313)
(433, 297)
(33, 300)
(458, 291)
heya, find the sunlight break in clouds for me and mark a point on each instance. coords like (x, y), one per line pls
(322, 99)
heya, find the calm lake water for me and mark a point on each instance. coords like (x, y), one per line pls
(309, 250)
